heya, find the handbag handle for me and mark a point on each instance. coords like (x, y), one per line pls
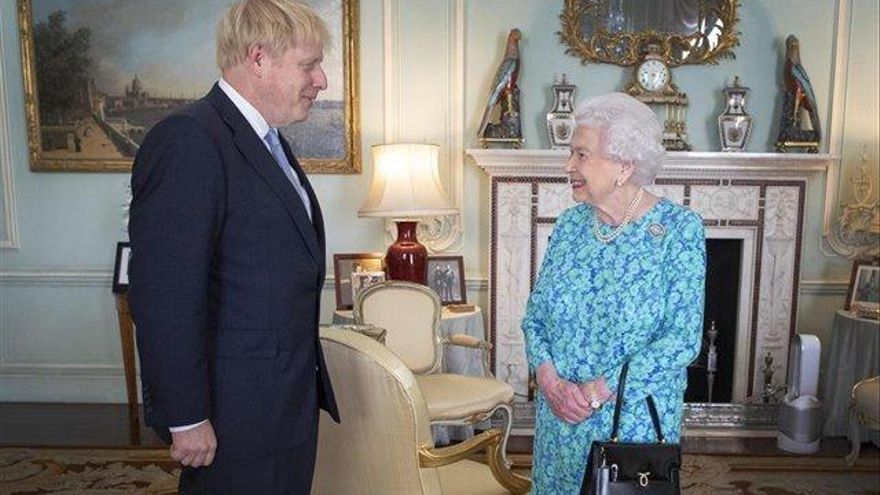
(655, 418)
(621, 384)
(652, 408)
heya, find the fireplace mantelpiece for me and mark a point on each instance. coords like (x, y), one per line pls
(756, 197)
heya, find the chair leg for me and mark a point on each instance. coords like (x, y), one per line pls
(507, 411)
(490, 440)
(855, 437)
(514, 483)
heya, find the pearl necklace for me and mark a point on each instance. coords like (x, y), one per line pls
(627, 218)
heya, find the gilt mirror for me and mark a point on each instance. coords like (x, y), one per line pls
(617, 31)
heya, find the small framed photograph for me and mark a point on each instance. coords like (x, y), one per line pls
(367, 266)
(864, 285)
(120, 268)
(360, 280)
(446, 278)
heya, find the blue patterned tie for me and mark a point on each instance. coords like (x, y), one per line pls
(278, 152)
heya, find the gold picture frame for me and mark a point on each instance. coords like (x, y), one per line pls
(80, 133)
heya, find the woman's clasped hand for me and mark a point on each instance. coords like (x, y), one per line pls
(570, 401)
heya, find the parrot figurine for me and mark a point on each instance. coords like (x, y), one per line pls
(504, 92)
(797, 81)
(799, 97)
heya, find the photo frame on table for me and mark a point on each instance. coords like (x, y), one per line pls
(93, 87)
(120, 268)
(864, 284)
(359, 270)
(446, 277)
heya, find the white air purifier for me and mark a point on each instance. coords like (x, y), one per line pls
(800, 414)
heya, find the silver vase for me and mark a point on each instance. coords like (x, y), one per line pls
(560, 120)
(734, 124)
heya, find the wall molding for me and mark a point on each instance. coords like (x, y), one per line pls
(829, 245)
(824, 287)
(9, 234)
(445, 233)
(108, 389)
(57, 278)
(104, 278)
(833, 242)
(391, 70)
(61, 370)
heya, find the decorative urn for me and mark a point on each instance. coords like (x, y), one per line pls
(734, 124)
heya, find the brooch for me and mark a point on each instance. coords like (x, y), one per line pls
(657, 230)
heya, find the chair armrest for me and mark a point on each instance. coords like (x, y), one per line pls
(432, 457)
(471, 342)
(464, 340)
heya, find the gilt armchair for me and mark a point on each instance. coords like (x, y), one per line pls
(410, 313)
(383, 445)
(864, 410)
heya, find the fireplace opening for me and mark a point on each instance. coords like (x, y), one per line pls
(710, 376)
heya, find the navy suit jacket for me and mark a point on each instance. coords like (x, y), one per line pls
(226, 274)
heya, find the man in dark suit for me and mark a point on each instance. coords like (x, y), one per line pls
(228, 264)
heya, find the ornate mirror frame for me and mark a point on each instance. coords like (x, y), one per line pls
(626, 48)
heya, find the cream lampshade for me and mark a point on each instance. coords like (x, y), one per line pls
(406, 184)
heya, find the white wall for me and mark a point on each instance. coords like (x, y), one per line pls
(425, 66)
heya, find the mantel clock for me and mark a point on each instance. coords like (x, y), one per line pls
(652, 84)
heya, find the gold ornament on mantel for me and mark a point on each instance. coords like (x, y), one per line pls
(652, 85)
(595, 34)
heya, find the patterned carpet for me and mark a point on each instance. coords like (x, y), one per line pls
(776, 475)
(73, 471)
(76, 471)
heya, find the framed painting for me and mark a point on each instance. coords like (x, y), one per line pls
(356, 271)
(446, 278)
(98, 74)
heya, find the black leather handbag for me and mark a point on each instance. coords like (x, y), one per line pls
(618, 468)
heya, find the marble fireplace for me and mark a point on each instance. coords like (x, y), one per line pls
(756, 198)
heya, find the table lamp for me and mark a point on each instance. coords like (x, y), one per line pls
(406, 185)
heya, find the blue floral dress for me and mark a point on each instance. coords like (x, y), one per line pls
(595, 306)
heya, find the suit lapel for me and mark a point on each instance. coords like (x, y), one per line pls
(317, 217)
(258, 157)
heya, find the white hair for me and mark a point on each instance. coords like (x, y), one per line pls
(631, 131)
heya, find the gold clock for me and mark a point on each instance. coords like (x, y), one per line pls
(652, 84)
(652, 74)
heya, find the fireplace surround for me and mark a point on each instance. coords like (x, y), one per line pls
(755, 198)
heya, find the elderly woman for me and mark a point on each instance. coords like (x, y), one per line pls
(622, 280)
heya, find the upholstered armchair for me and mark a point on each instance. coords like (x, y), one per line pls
(410, 313)
(383, 446)
(864, 410)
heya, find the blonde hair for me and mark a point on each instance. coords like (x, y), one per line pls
(275, 24)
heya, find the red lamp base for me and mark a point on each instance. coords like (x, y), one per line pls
(407, 258)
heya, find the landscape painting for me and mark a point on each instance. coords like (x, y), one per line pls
(98, 74)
